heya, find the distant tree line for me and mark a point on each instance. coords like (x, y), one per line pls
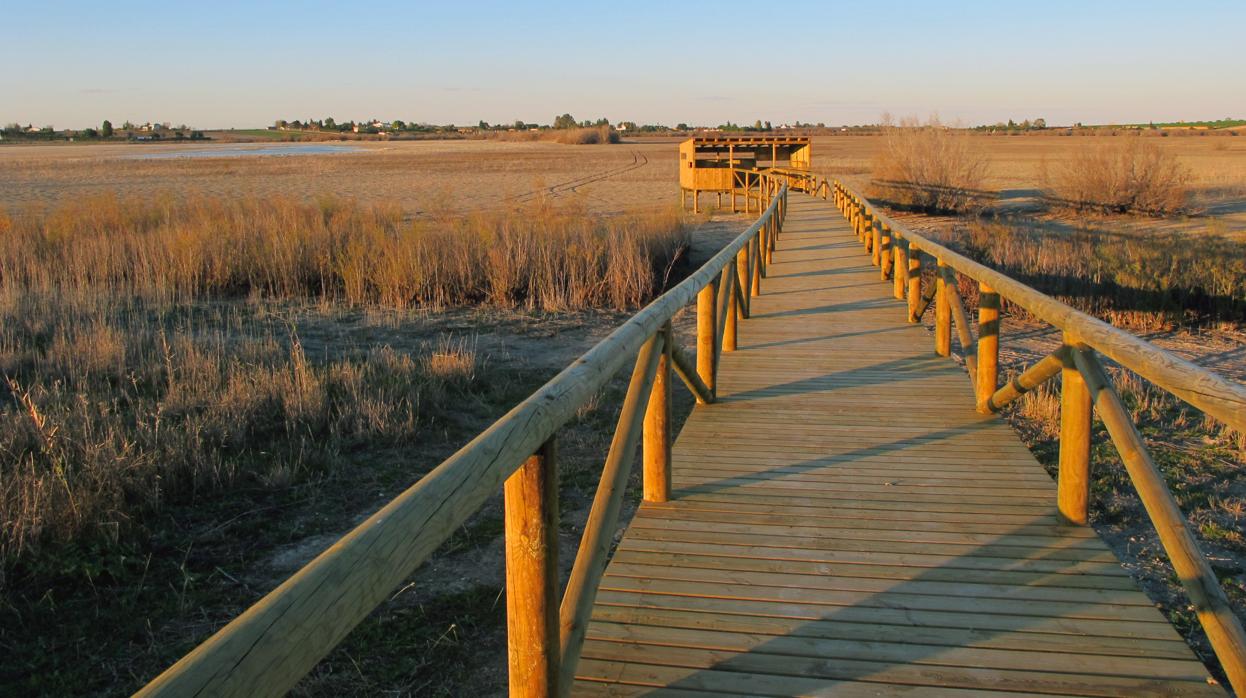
(106, 131)
(1027, 125)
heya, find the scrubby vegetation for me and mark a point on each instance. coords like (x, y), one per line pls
(1130, 175)
(571, 135)
(1140, 281)
(543, 256)
(928, 168)
(133, 377)
(191, 387)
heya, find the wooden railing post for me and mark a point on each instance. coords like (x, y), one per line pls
(988, 342)
(656, 445)
(603, 517)
(707, 336)
(1215, 613)
(943, 313)
(876, 244)
(885, 253)
(531, 521)
(771, 240)
(915, 281)
(758, 261)
(743, 271)
(900, 268)
(1073, 481)
(733, 307)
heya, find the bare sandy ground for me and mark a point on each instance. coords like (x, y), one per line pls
(417, 175)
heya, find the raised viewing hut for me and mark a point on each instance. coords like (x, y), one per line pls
(734, 164)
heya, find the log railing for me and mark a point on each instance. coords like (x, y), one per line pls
(273, 644)
(1085, 389)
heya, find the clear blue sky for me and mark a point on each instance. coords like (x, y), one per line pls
(71, 64)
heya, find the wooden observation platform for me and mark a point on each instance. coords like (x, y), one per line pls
(842, 514)
(734, 165)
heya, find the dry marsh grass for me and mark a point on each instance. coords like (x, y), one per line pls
(542, 255)
(113, 411)
(135, 373)
(1127, 175)
(1145, 282)
(588, 135)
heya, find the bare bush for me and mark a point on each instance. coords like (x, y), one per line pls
(588, 135)
(1129, 175)
(930, 167)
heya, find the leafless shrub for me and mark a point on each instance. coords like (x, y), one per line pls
(1129, 175)
(929, 167)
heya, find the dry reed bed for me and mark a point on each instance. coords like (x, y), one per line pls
(136, 373)
(1143, 282)
(541, 255)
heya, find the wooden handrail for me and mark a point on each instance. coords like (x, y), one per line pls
(1084, 382)
(274, 643)
(1037, 374)
(603, 518)
(1196, 575)
(687, 371)
(961, 319)
(1194, 384)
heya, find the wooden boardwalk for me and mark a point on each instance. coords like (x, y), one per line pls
(844, 523)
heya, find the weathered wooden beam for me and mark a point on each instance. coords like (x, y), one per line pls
(876, 242)
(603, 517)
(1215, 395)
(900, 266)
(707, 337)
(683, 367)
(961, 318)
(744, 267)
(656, 444)
(943, 312)
(916, 307)
(731, 312)
(1073, 478)
(531, 522)
(885, 253)
(1037, 374)
(1223, 628)
(988, 342)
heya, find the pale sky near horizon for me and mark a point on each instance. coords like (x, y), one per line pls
(210, 65)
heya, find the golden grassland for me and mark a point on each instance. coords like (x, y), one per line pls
(416, 175)
(156, 363)
(190, 395)
(113, 405)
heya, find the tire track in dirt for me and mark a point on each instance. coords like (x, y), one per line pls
(639, 160)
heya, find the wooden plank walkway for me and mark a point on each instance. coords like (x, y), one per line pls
(844, 523)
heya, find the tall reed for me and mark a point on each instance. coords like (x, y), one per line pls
(140, 364)
(541, 255)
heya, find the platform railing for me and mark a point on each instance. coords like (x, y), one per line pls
(1086, 389)
(267, 649)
